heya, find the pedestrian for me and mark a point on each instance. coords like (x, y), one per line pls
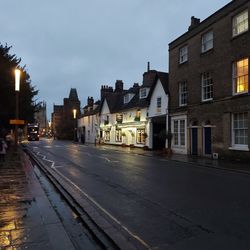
(3, 147)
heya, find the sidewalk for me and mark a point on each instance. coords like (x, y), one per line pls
(27, 219)
(200, 161)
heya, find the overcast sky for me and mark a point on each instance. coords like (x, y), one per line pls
(85, 44)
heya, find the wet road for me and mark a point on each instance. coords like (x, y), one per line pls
(165, 204)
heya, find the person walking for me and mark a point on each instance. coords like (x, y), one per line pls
(3, 147)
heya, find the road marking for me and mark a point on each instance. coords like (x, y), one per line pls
(45, 159)
(104, 210)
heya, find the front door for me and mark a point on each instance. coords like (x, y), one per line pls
(194, 141)
(207, 141)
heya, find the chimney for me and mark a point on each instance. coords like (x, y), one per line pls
(136, 85)
(105, 89)
(90, 101)
(148, 66)
(194, 22)
(118, 86)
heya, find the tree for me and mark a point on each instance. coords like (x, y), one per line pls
(8, 63)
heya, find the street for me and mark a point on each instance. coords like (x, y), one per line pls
(163, 204)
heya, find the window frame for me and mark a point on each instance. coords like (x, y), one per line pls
(205, 43)
(235, 77)
(180, 134)
(142, 94)
(236, 25)
(183, 94)
(140, 138)
(183, 57)
(118, 135)
(235, 145)
(205, 85)
(158, 104)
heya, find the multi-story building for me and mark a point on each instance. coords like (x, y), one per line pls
(88, 124)
(209, 85)
(137, 116)
(64, 123)
(41, 118)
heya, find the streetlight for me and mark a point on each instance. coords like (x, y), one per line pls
(75, 127)
(17, 89)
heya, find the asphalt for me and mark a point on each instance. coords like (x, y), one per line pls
(27, 219)
(227, 165)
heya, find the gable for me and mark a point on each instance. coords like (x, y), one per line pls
(105, 107)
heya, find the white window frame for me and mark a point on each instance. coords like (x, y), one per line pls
(207, 41)
(236, 76)
(158, 104)
(143, 93)
(183, 93)
(237, 146)
(240, 23)
(179, 133)
(183, 54)
(206, 84)
(140, 138)
(118, 135)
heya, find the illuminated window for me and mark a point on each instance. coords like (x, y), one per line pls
(240, 23)
(118, 135)
(107, 135)
(183, 94)
(240, 76)
(207, 86)
(207, 41)
(138, 115)
(140, 138)
(240, 129)
(183, 54)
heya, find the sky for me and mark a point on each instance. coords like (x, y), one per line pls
(85, 44)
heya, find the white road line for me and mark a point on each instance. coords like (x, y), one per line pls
(104, 211)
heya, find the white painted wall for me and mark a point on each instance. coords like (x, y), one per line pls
(158, 92)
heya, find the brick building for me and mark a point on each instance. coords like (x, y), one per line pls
(63, 121)
(209, 85)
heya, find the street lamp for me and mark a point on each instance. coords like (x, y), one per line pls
(17, 89)
(75, 124)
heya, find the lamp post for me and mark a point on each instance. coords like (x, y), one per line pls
(75, 127)
(17, 89)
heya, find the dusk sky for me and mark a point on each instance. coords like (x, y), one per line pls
(86, 44)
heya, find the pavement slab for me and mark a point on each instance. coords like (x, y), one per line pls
(27, 219)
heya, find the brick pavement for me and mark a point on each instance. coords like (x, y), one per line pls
(27, 219)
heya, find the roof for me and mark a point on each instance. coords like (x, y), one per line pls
(73, 94)
(115, 100)
(231, 6)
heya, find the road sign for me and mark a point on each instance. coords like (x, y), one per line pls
(17, 122)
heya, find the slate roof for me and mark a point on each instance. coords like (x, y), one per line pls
(73, 94)
(115, 100)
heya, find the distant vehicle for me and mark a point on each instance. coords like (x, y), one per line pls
(33, 131)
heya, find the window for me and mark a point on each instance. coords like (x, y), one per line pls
(207, 86)
(138, 115)
(183, 94)
(118, 135)
(183, 54)
(240, 76)
(158, 104)
(107, 135)
(240, 130)
(207, 41)
(119, 118)
(140, 136)
(126, 98)
(179, 135)
(240, 23)
(143, 93)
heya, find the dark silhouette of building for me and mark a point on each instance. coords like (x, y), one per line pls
(63, 121)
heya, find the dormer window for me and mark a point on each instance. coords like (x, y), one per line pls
(143, 93)
(127, 98)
